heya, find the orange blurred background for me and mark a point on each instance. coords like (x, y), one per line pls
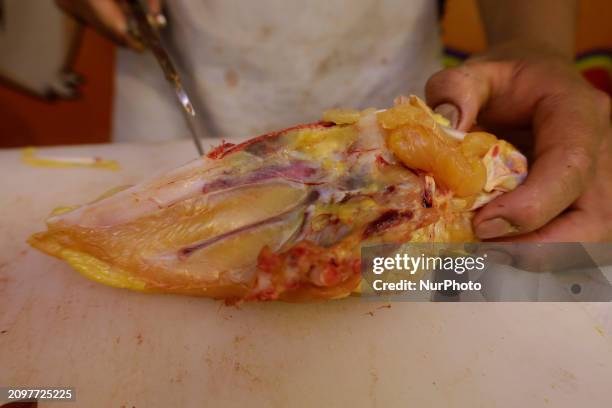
(28, 120)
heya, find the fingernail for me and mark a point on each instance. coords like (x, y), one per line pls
(157, 20)
(160, 20)
(450, 112)
(494, 228)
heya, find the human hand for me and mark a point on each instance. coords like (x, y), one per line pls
(567, 196)
(107, 17)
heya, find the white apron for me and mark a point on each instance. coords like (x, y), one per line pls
(253, 66)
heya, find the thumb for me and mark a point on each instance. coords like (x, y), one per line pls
(457, 94)
(450, 112)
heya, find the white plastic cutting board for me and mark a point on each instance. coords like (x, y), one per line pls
(120, 348)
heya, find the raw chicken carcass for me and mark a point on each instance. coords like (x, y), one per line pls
(283, 216)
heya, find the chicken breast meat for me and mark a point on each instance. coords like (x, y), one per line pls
(284, 215)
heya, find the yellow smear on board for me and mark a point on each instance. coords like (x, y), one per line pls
(29, 156)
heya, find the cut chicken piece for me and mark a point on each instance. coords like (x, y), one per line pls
(284, 215)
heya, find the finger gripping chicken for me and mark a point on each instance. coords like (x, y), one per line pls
(284, 215)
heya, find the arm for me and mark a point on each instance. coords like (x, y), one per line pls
(547, 24)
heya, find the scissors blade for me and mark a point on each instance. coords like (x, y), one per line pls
(189, 114)
(149, 36)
